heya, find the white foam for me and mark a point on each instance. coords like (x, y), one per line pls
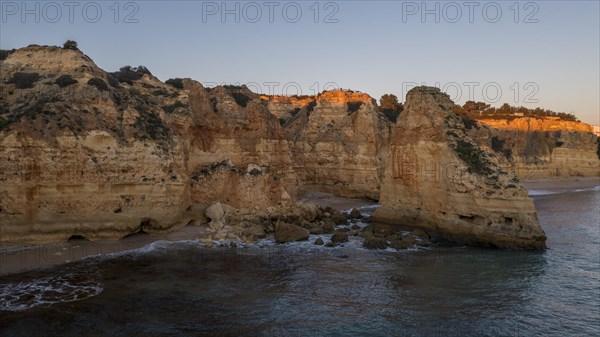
(50, 290)
(548, 192)
(541, 192)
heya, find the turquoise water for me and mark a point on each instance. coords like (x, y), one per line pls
(182, 288)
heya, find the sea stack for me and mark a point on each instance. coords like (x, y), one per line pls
(437, 179)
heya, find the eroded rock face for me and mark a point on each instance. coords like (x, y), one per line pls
(237, 151)
(439, 180)
(338, 141)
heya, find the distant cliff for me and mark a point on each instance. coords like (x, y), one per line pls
(542, 147)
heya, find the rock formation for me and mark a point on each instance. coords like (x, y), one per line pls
(338, 141)
(541, 147)
(80, 156)
(439, 180)
(237, 152)
(88, 153)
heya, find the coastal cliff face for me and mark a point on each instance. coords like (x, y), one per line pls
(438, 179)
(84, 154)
(541, 147)
(102, 155)
(237, 154)
(338, 141)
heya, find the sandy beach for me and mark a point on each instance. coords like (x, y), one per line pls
(337, 203)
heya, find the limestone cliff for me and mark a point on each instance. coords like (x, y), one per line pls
(84, 152)
(338, 141)
(238, 154)
(102, 155)
(439, 180)
(541, 147)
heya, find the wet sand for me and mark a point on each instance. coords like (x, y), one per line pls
(564, 184)
(337, 203)
(22, 257)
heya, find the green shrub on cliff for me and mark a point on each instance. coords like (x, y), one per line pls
(70, 44)
(98, 83)
(241, 99)
(474, 157)
(4, 123)
(175, 83)
(480, 110)
(24, 80)
(4, 53)
(128, 74)
(65, 81)
(390, 107)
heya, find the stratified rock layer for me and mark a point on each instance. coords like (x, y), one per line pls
(338, 144)
(439, 180)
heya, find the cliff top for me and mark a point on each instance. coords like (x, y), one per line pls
(337, 96)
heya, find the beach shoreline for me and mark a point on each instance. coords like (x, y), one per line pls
(561, 184)
(21, 257)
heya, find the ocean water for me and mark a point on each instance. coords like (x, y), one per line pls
(185, 289)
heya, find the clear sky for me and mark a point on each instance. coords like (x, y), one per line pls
(532, 53)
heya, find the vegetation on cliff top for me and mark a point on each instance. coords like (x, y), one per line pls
(128, 74)
(70, 44)
(5, 53)
(175, 83)
(390, 107)
(481, 110)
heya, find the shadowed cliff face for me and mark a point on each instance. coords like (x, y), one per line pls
(338, 140)
(237, 153)
(438, 179)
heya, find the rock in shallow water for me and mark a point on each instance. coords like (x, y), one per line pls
(355, 214)
(339, 237)
(285, 232)
(373, 242)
